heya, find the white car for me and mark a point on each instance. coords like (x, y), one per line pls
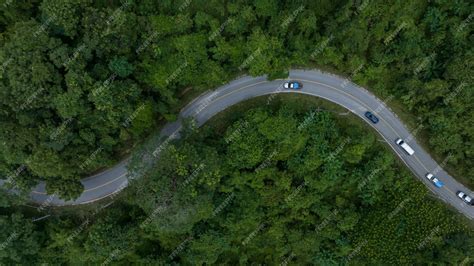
(293, 85)
(465, 198)
(404, 146)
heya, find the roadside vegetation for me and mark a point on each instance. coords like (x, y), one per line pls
(81, 82)
(288, 182)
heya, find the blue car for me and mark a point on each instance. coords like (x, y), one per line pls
(434, 180)
(294, 85)
(371, 117)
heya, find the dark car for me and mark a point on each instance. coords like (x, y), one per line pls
(294, 85)
(465, 198)
(371, 117)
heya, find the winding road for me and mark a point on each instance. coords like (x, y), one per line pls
(328, 86)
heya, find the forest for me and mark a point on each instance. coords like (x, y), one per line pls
(83, 78)
(84, 83)
(285, 183)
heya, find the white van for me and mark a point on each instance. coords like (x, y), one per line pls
(404, 146)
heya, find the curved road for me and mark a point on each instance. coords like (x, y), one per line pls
(324, 85)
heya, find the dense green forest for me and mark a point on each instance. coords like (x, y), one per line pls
(83, 78)
(280, 184)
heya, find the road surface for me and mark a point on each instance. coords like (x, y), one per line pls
(319, 84)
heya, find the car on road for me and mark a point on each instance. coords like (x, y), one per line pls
(404, 146)
(371, 117)
(293, 85)
(434, 180)
(465, 198)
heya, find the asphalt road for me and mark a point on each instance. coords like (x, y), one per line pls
(320, 84)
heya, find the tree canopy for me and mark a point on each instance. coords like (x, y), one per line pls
(259, 184)
(74, 72)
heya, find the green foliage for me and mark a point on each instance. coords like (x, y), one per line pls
(65, 14)
(333, 190)
(96, 63)
(316, 188)
(78, 76)
(65, 189)
(20, 241)
(121, 67)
